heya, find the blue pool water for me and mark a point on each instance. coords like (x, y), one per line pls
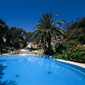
(36, 70)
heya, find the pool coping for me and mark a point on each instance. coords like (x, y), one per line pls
(18, 54)
(71, 62)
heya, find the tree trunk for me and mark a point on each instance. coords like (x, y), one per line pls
(49, 49)
(0, 49)
(1, 44)
(49, 45)
(44, 47)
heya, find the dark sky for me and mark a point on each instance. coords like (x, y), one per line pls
(24, 13)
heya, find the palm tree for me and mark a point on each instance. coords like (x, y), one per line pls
(46, 29)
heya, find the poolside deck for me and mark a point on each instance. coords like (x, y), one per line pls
(74, 63)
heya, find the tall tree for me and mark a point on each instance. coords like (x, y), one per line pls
(77, 31)
(15, 36)
(28, 36)
(3, 30)
(46, 29)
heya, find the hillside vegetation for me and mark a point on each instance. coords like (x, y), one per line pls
(71, 48)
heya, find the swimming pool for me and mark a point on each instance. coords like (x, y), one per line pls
(36, 70)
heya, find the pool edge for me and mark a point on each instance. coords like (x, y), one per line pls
(71, 62)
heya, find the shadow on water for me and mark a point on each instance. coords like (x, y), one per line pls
(11, 82)
(8, 83)
(2, 60)
(47, 57)
(49, 72)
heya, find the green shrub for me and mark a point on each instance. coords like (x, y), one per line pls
(47, 52)
(65, 56)
(26, 48)
(14, 49)
(73, 53)
(70, 42)
(59, 48)
(40, 47)
(58, 56)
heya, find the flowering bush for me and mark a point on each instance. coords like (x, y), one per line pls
(73, 53)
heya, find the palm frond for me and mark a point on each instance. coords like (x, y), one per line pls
(57, 23)
(54, 18)
(62, 21)
(46, 29)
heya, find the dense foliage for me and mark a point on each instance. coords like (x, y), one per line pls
(28, 36)
(72, 53)
(12, 38)
(71, 48)
(3, 31)
(77, 31)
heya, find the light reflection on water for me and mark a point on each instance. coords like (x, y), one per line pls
(35, 70)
